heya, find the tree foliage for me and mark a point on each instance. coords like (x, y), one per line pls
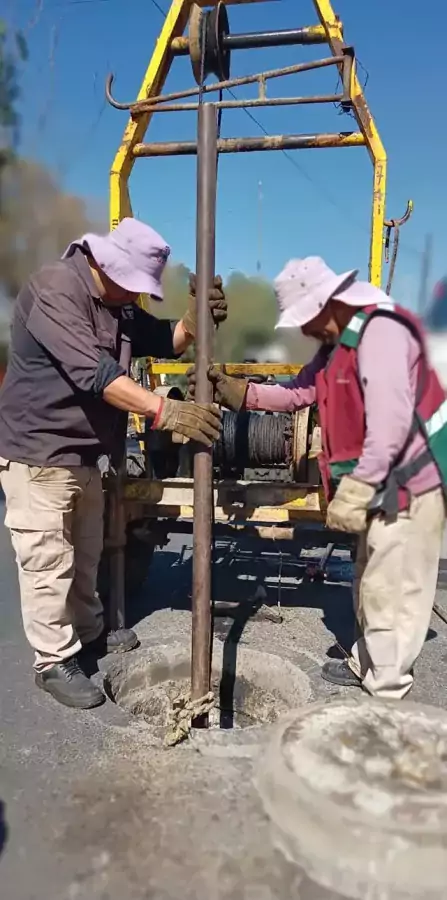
(38, 219)
(37, 222)
(252, 314)
(13, 51)
(251, 306)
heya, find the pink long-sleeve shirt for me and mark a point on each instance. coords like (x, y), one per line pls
(387, 357)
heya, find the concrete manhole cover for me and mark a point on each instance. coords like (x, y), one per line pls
(357, 795)
(250, 687)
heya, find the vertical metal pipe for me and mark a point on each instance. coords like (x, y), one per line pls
(116, 558)
(203, 459)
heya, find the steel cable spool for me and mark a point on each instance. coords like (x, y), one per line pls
(251, 440)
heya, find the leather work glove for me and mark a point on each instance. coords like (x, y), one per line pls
(227, 391)
(349, 508)
(217, 303)
(199, 422)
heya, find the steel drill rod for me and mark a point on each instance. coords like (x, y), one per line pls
(203, 458)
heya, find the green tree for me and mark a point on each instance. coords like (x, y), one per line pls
(13, 51)
(251, 311)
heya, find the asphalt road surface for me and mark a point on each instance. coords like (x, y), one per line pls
(89, 808)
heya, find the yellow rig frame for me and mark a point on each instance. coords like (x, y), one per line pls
(268, 509)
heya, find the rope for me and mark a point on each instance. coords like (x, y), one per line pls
(184, 711)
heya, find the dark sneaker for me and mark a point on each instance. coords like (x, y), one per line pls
(67, 683)
(120, 641)
(337, 671)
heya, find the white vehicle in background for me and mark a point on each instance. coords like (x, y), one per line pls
(435, 321)
(270, 353)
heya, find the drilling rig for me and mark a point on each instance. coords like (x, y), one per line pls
(262, 477)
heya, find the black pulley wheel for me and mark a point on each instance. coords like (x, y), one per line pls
(207, 33)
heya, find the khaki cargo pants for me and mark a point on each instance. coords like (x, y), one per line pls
(394, 591)
(55, 517)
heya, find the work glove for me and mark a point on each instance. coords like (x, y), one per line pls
(349, 508)
(227, 391)
(217, 303)
(199, 422)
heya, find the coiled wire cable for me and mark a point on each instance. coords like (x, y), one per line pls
(250, 440)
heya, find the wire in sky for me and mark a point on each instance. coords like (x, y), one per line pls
(160, 9)
(291, 159)
(79, 2)
(333, 201)
(299, 168)
(44, 112)
(65, 168)
(35, 18)
(85, 143)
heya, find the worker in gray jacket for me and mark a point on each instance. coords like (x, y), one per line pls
(63, 411)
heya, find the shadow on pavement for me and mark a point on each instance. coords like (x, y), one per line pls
(239, 573)
(228, 680)
(3, 827)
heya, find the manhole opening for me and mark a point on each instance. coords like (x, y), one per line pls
(148, 691)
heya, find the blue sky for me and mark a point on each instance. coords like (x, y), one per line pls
(321, 205)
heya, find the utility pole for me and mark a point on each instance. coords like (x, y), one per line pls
(425, 274)
(260, 199)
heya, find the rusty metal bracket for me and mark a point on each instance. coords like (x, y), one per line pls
(394, 225)
(255, 144)
(142, 107)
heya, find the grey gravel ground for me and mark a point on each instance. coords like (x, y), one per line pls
(94, 808)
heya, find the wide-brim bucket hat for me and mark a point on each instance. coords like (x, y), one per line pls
(305, 286)
(133, 256)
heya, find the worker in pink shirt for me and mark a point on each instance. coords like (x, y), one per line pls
(383, 417)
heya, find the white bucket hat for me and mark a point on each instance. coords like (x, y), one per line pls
(133, 256)
(304, 287)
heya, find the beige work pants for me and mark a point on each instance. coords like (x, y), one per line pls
(394, 591)
(55, 517)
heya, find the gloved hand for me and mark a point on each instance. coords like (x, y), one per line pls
(227, 391)
(195, 421)
(217, 303)
(348, 510)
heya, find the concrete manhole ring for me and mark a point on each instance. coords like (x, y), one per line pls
(250, 687)
(357, 796)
